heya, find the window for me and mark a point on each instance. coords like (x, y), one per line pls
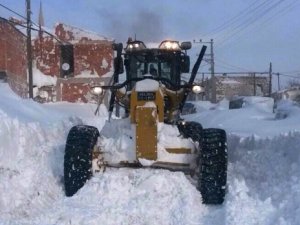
(67, 60)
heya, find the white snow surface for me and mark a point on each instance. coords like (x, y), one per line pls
(40, 79)
(147, 85)
(263, 170)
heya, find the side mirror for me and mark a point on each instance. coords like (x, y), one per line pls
(185, 64)
(186, 45)
(117, 46)
(118, 64)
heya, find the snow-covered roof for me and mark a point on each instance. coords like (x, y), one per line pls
(230, 81)
(79, 33)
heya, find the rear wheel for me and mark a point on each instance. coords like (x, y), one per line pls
(213, 166)
(78, 157)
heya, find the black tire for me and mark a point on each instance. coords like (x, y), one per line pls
(78, 157)
(213, 166)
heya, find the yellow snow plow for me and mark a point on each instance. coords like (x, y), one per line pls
(152, 96)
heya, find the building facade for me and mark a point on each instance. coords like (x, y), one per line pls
(66, 64)
(13, 62)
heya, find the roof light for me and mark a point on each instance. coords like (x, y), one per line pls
(135, 45)
(170, 45)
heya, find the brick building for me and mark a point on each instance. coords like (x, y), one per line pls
(13, 63)
(66, 64)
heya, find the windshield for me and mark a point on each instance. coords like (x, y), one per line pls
(160, 66)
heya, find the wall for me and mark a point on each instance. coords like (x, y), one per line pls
(13, 57)
(93, 56)
(229, 86)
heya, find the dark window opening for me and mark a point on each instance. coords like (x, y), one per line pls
(3, 76)
(67, 60)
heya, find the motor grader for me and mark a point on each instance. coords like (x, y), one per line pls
(153, 95)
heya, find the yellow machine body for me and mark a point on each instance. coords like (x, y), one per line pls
(145, 114)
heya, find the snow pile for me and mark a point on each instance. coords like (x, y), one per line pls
(264, 179)
(256, 118)
(40, 79)
(169, 137)
(264, 104)
(118, 143)
(30, 166)
(263, 170)
(147, 85)
(286, 108)
(126, 196)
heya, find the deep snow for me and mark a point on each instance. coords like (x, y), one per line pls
(263, 171)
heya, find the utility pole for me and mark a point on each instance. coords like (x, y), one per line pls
(202, 84)
(270, 79)
(254, 84)
(211, 61)
(29, 50)
(212, 68)
(278, 81)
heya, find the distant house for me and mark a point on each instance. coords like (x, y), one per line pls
(291, 93)
(228, 86)
(66, 64)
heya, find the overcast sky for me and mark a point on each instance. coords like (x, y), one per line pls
(248, 34)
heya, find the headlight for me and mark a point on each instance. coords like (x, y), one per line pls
(97, 90)
(169, 45)
(135, 45)
(197, 89)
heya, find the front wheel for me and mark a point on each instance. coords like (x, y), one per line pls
(78, 157)
(213, 166)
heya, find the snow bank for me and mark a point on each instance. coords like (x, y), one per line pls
(40, 79)
(126, 196)
(264, 180)
(31, 160)
(255, 118)
(263, 171)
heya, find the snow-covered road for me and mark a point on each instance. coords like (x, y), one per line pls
(263, 171)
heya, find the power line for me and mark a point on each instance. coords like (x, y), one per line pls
(240, 21)
(230, 65)
(35, 29)
(287, 9)
(294, 72)
(253, 19)
(18, 14)
(288, 75)
(25, 26)
(238, 17)
(277, 14)
(250, 21)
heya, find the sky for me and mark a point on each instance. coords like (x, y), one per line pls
(247, 34)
